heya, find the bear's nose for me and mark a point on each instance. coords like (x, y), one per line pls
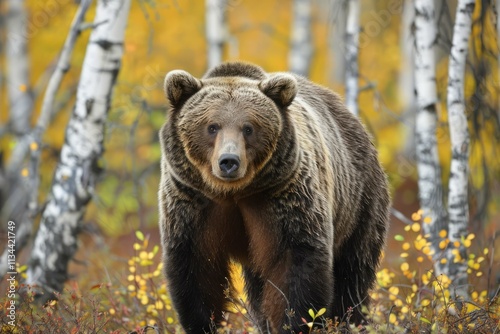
(229, 163)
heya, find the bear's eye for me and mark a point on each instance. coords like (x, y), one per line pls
(212, 129)
(247, 130)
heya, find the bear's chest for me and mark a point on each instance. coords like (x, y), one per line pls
(240, 231)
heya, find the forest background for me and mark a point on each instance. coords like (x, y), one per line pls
(166, 35)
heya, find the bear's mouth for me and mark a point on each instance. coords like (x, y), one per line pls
(228, 177)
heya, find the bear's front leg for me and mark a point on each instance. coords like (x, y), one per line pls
(195, 277)
(291, 260)
(301, 280)
(196, 287)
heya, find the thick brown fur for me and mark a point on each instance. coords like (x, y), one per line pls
(272, 171)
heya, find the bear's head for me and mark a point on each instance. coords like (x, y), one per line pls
(228, 123)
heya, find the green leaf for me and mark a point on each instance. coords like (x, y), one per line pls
(139, 235)
(311, 313)
(155, 249)
(399, 237)
(321, 312)
(425, 320)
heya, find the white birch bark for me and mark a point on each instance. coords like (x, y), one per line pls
(458, 207)
(407, 41)
(21, 205)
(215, 31)
(428, 165)
(351, 44)
(17, 69)
(299, 58)
(337, 41)
(77, 171)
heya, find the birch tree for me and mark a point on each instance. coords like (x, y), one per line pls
(407, 41)
(337, 41)
(428, 165)
(458, 207)
(215, 29)
(77, 171)
(352, 46)
(299, 59)
(17, 69)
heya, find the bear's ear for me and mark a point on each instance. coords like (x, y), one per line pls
(281, 88)
(180, 86)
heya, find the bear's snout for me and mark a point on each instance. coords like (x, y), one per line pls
(229, 164)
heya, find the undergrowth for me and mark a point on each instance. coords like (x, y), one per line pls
(409, 299)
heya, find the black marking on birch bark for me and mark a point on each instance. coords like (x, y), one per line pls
(459, 206)
(469, 8)
(65, 69)
(89, 104)
(114, 76)
(462, 154)
(451, 103)
(106, 44)
(425, 14)
(430, 108)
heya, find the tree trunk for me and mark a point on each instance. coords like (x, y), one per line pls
(429, 170)
(75, 176)
(351, 44)
(336, 43)
(458, 206)
(216, 31)
(407, 42)
(17, 65)
(299, 60)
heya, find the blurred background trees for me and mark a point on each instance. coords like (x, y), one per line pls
(307, 37)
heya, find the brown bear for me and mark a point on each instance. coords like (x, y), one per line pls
(271, 171)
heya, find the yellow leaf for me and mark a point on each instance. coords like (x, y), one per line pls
(25, 172)
(139, 235)
(321, 312)
(425, 302)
